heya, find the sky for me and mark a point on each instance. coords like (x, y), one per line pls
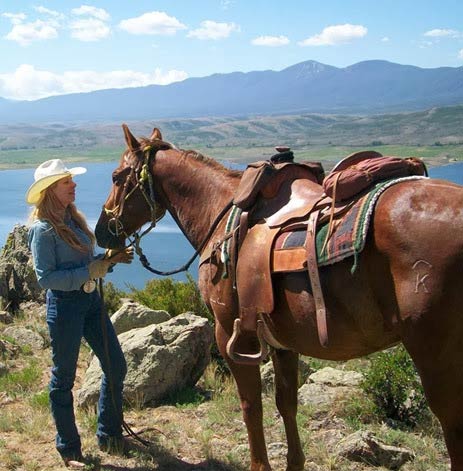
(62, 46)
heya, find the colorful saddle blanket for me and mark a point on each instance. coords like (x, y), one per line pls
(348, 238)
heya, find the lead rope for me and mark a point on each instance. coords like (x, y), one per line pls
(104, 314)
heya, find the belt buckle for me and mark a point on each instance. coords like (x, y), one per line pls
(89, 286)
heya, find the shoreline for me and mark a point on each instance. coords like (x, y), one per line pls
(327, 161)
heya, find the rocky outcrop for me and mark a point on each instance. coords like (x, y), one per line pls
(132, 315)
(327, 385)
(161, 358)
(364, 447)
(25, 337)
(268, 375)
(18, 282)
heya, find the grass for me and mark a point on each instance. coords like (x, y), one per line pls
(197, 425)
(19, 383)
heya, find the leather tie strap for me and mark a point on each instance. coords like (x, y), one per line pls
(312, 267)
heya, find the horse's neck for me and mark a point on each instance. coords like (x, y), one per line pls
(196, 193)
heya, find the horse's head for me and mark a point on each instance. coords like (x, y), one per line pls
(133, 200)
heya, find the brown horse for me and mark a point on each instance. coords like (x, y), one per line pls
(408, 286)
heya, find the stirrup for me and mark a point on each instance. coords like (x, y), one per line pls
(247, 358)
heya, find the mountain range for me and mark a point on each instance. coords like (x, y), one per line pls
(308, 87)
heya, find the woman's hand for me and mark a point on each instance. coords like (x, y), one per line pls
(119, 256)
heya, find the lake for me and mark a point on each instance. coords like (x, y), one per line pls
(166, 247)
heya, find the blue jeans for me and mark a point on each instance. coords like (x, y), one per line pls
(72, 315)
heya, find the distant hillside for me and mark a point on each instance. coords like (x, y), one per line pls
(424, 127)
(309, 87)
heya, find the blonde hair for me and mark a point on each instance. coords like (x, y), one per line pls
(50, 208)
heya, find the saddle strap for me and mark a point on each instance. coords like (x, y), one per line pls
(312, 266)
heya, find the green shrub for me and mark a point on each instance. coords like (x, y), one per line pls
(395, 388)
(112, 297)
(175, 297)
(357, 410)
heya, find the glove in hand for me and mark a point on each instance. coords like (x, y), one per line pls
(98, 268)
(119, 256)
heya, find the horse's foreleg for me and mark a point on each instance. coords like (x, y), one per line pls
(249, 386)
(285, 364)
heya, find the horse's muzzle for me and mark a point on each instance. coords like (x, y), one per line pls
(106, 239)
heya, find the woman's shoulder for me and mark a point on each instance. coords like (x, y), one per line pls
(40, 226)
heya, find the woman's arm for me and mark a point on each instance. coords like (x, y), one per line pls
(43, 247)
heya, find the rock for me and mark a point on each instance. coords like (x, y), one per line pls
(25, 337)
(333, 377)
(161, 358)
(17, 276)
(3, 369)
(8, 350)
(132, 315)
(268, 376)
(363, 446)
(277, 449)
(34, 309)
(320, 394)
(328, 385)
(6, 317)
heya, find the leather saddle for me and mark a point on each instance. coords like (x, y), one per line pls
(291, 196)
(278, 197)
(273, 199)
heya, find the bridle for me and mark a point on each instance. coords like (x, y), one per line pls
(141, 178)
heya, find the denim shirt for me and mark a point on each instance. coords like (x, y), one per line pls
(57, 265)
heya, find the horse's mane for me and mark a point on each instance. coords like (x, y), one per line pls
(158, 144)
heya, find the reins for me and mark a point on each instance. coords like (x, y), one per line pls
(144, 261)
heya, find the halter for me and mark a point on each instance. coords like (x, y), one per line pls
(142, 176)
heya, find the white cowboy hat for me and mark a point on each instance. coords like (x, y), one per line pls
(46, 174)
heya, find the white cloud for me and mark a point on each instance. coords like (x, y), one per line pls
(439, 33)
(15, 18)
(89, 29)
(25, 33)
(225, 4)
(385, 39)
(271, 41)
(212, 30)
(460, 54)
(28, 83)
(46, 11)
(94, 12)
(154, 22)
(91, 24)
(336, 34)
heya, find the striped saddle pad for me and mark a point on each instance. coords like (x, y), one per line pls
(347, 239)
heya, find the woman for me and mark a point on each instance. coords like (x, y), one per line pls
(62, 249)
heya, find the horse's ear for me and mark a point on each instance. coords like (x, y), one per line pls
(156, 134)
(131, 140)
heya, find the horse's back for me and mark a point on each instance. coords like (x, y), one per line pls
(420, 219)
